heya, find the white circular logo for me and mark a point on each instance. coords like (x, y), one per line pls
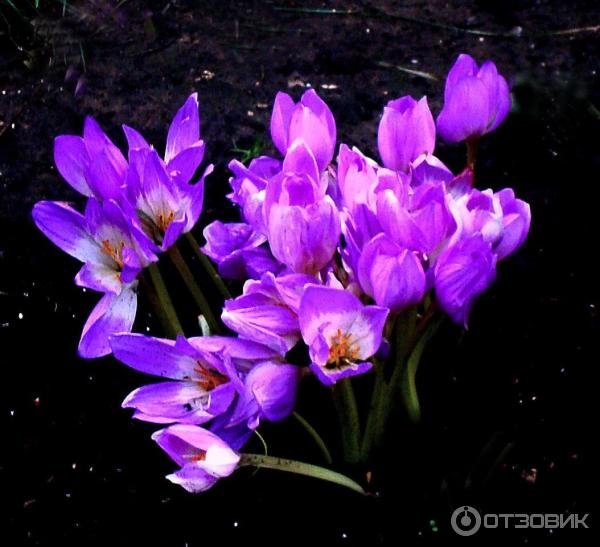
(465, 521)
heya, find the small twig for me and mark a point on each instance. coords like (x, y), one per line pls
(421, 73)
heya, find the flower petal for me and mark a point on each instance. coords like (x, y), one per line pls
(114, 313)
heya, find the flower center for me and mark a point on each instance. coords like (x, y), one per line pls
(199, 457)
(164, 219)
(114, 251)
(342, 351)
(209, 377)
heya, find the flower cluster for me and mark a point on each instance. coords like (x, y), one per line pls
(331, 254)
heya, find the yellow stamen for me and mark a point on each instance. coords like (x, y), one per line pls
(342, 351)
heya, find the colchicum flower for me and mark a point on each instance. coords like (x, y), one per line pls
(113, 252)
(340, 332)
(203, 457)
(406, 131)
(159, 191)
(309, 120)
(476, 100)
(303, 224)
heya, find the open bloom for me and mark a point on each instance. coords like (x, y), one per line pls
(302, 222)
(113, 252)
(502, 219)
(204, 374)
(203, 456)
(267, 310)
(159, 190)
(476, 100)
(199, 386)
(406, 131)
(309, 120)
(340, 332)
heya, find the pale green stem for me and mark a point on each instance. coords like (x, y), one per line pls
(170, 319)
(347, 410)
(195, 291)
(377, 411)
(408, 387)
(316, 437)
(207, 265)
(300, 468)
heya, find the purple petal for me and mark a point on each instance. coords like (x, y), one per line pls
(111, 315)
(66, 228)
(71, 158)
(99, 277)
(157, 356)
(135, 139)
(392, 275)
(183, 166)
(283, 108)
(464, 66)
(329, 377)
(463, 271)
(193, 479)
(97, 142)
(274, 387)
(184, 130)
(466, 111)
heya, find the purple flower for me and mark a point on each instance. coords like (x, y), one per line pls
(420, 220)
(261, 313)
(269, 392)
(302, 222)
(309, 120)
(159, 190)
(427, 169)
(340, 332)
(406, 131)
(392, 275)
(113, 252)
(205, 372)
(204, 457)
(200, 385)
(516, 220)
(248, 184)
(92, 165)
(501, 219)
(476, 100)
(185, 149)
(357, 178)
(462, 272)
(237, 250)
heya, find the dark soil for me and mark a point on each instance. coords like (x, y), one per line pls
(507, 407)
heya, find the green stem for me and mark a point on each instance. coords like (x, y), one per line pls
(345, 403)
(316, 437)
(207, 265)
(165, 304)
(300, 468)
(406, 381)
(195, 291)
(377, 411)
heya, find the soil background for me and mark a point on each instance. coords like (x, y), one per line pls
(507, 406)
